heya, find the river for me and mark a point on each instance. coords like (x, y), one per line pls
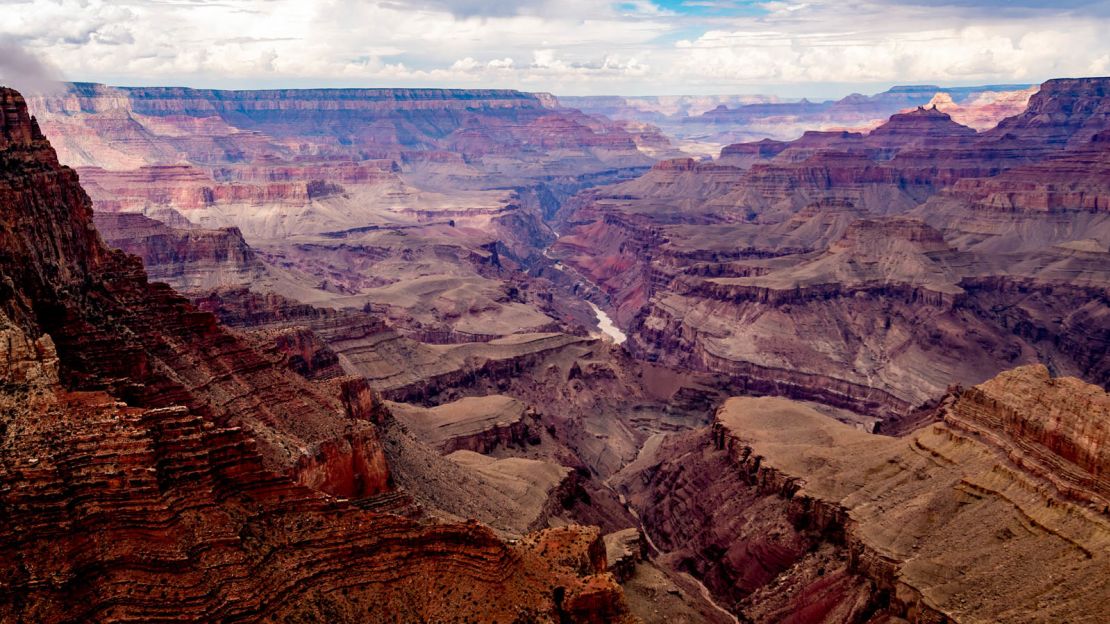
(607, 326)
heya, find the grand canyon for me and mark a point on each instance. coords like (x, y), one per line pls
(485, 354)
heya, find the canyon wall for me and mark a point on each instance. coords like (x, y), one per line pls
(865, 270)
(701, 125)
(156, 465)
(807, 519)
(420, 203)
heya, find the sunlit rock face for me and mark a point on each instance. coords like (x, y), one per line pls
(789, 514)
(157, 465)
(418, 203)
(868, 270)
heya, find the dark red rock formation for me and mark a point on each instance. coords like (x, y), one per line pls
(300, 349)
(155, 466)
(242, 308)
(189, 259)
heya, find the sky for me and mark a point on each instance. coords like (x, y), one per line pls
(791, 48)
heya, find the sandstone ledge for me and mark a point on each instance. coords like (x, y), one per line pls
(943, 525)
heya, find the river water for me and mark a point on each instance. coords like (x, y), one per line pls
(607, 326)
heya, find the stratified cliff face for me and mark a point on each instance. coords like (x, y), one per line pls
(703, 124)
(115, 330)
(805, 519)
(883, 321)
(1066, 112)
(418, 202)
(155, 466)
(210, 126)
(1055, 428)
(189, 259)
(868, 271)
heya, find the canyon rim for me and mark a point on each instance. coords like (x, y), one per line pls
(555, 312)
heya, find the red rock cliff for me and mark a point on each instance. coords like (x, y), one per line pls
(154, 466)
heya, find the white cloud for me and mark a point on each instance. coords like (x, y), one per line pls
(862, 48)
(568, 46)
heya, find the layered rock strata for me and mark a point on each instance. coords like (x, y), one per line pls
(422, 203)
(477, 424)
(809, 268)
(955, 522)
(189, 259)
(156, 466)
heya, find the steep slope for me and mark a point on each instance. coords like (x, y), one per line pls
(189, 259)
(155, 466)
(792, 266)
(423, 202)
(996, 513)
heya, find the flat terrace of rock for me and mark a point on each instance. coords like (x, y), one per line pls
(941, 515)
(438, 361)
(470, 423)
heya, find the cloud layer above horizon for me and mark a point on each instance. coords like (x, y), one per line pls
(788, 47)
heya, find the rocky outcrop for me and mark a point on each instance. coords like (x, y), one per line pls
(920, 127)
(476, 424)
(1066, 112)
(869, 271)
(539, 492)
(190, 260)
(623, 550)
(465, 364)
(301, 350)
(156, 466)
(584, 552)
(809, 519)
(243, 308)
(1054, 428)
